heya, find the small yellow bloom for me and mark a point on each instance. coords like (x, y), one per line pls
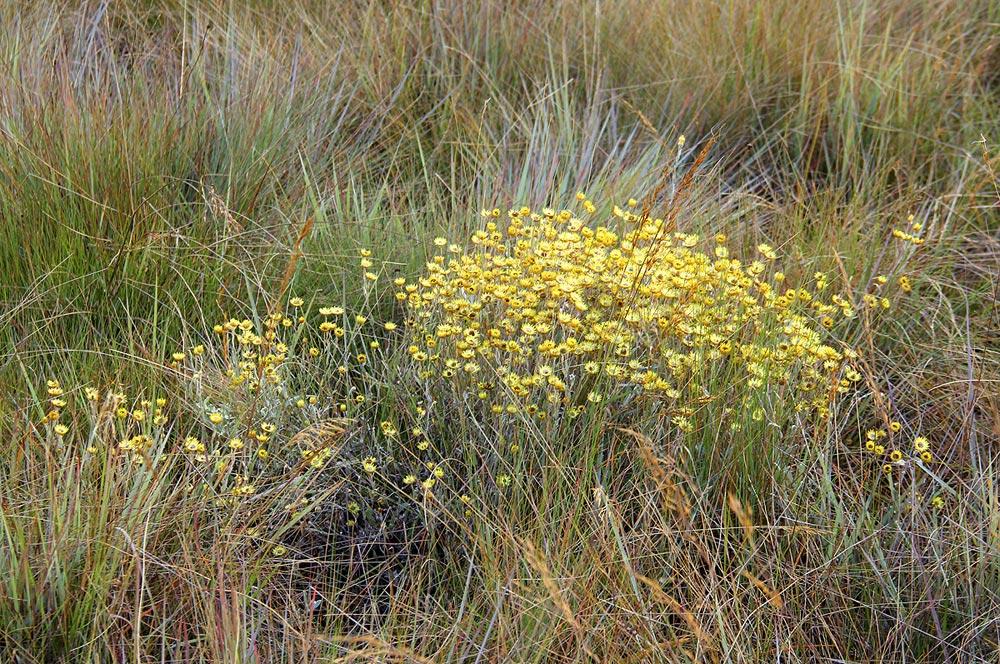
(215, 418)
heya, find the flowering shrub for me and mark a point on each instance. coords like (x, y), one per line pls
(553, 307)
(543, 319)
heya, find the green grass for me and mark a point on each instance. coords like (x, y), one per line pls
(168, 168)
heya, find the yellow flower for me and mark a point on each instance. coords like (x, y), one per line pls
(296, 302)
(368, 465)
(178, 356)
(921, 444)
(409, 479)
(215, 418)
(61, 429)
(390, 326)
(279, 551)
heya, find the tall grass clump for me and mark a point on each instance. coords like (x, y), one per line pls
(530, 331)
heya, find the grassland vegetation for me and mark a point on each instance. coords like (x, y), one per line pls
(499, 331)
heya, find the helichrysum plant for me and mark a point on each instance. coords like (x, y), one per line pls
(544, 318)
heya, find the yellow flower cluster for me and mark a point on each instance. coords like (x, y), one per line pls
(875, 442)
(547, 302)
(258, 356)
(911, 237)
